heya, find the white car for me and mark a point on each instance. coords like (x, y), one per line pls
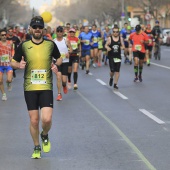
(166, 36)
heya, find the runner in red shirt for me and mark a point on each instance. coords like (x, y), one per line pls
(139, 39)
(6, 50)
(149, 46)
(74, 57)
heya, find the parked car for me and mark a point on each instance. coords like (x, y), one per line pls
(166, 36)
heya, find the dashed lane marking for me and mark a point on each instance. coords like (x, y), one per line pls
(159, 65)
(101, 82)
(120, 94)
(151, 116)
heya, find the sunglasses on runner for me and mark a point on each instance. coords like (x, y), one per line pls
(59, 31)
(115, 31)
(3, 35)
(37, 26)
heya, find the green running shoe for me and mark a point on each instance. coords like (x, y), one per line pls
(46, 145)
(37, 152)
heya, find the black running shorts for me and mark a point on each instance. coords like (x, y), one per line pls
(139, 55)
(73, 59)
(114, 67)
(63, 68)
(38, 99)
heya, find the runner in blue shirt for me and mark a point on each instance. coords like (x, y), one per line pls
(94, 48)
(128, 49)
(86, 42)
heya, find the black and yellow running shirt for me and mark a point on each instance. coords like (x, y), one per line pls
(38, 58)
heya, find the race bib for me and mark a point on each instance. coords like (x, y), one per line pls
(38, 76)
(95, 39)
(100, 44)
(127, 37)
(74, 45)
(5, 58)
(87, 42)
(116, 60)
(63, 55)
(138, 47)
(150, 41)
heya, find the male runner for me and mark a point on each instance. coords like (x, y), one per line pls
(86, 40)
(63, 44)
(139, 39)
(36, 57)
(113, 46)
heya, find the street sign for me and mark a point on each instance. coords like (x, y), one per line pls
(148, 16)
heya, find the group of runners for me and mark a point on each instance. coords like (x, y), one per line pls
(43, 53)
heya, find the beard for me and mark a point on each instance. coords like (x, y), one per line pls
(37, 36)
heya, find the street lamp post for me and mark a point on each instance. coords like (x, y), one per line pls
(123, 12)
(33, 12)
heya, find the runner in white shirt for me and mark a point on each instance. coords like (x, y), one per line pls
(63, 44)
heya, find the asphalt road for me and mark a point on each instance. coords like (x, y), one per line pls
(96, 128)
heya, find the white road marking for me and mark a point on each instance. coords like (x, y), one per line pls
(120, 95)
(145, 112)
(101, 82)
(160, 65)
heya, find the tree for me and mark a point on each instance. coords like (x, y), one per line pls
(14, 12)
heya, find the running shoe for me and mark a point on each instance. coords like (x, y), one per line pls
(140, 78)
(9, 86)
(125, 61)
(148, 62)
(37, 152)
(94, 65)
(59, 97)
(75, 87)
(136, 79)
(99, 64)
(111, 82)
(46, 145)
(105, 63)
(4, 97)
(69, 85)
(115, 87)
(87, 71)
(65, 90)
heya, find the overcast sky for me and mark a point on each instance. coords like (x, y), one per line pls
(38, 3)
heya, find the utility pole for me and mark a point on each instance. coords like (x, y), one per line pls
(123, 12)
(33, 11)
